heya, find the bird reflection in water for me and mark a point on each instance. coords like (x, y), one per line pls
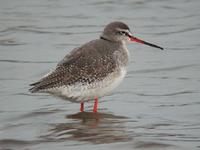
(96, 128)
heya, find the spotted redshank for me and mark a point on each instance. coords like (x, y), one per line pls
(92, 70)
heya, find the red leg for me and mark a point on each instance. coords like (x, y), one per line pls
(95, 105)
(82, 107)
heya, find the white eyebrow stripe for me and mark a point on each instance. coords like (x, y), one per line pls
(118, 29)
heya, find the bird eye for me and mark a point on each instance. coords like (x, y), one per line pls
(122, 33)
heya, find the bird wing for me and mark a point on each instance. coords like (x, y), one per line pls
(85, 64)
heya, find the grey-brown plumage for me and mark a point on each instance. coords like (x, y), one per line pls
(92, 70)
(90, 63)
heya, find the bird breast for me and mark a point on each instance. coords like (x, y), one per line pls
(122, 56)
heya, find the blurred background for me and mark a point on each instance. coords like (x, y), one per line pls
(156, 107)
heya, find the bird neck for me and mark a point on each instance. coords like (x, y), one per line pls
(106, 39)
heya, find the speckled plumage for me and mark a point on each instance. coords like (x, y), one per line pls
(96, 64)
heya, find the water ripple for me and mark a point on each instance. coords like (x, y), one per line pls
(25, 61)
(177, 31)
(174, 68)
(10, 42)
(167, 94)
(149, 145)
(39, 31)
(155, 95)
(14, 142)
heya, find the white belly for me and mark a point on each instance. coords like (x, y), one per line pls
(86, 92)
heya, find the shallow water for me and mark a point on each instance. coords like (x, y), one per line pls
(156, 107)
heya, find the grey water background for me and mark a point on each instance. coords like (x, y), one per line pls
(156, 107)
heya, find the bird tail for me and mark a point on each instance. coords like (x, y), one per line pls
(35, 87)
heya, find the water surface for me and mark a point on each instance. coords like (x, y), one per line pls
(156, 107)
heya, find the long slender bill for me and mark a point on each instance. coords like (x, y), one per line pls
(134, 39)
